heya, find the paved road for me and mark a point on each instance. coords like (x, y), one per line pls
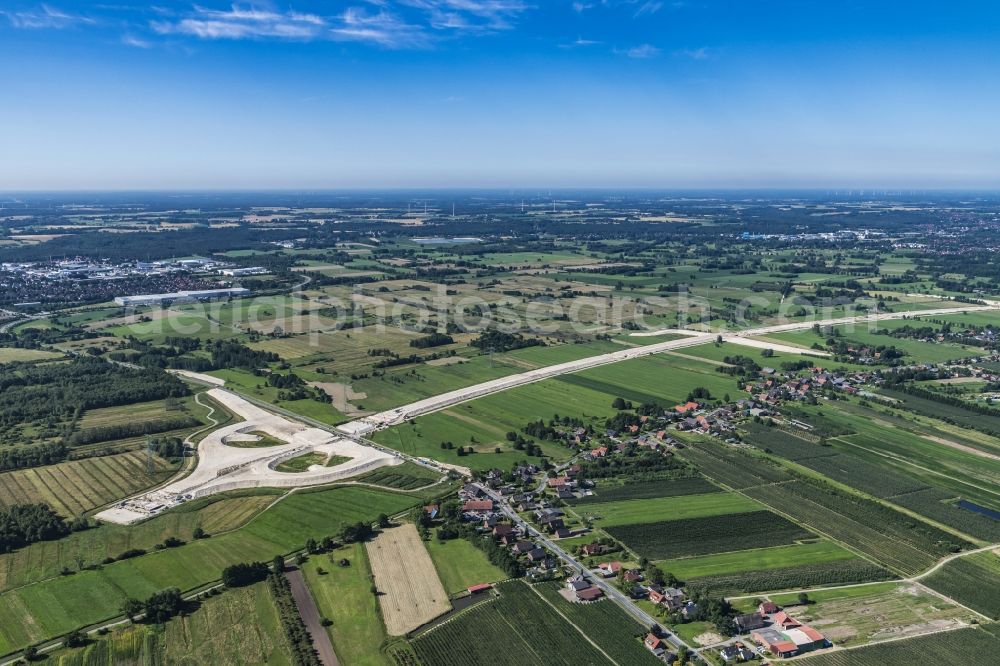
(310, 615)
(610, 591)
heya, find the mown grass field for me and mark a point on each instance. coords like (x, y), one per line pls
(343, 595)
(75, 487)
(57, 605)
(461, 565)
(239, 627)
(777, 557)
(15, 354)
(611, 490)
(630, 512)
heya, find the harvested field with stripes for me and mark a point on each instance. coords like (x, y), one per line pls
(410, 592)
(78, 486)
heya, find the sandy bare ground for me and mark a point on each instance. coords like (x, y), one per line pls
(410, 592)
(448, 360)
(962, 447)
(341, 396)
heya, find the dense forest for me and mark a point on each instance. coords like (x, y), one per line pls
(59, 393)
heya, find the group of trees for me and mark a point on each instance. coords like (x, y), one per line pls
(22, 457)
(432, 340)
(130, 429)
(62, 391)
(303, 653)
(21, 524)
(492, 340)
(157, 608)
(243, 574)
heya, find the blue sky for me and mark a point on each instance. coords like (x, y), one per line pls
(499, 93)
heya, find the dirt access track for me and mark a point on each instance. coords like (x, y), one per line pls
(410, 592)
(223, 467)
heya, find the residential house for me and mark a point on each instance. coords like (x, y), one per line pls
(748, 622)
(655, 645)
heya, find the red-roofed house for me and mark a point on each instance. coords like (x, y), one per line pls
(482, 587)
(768, 607)
(610, 568)
(654, 645)
(599, 452)
(589, 594)
(478, 506)
(785, 620)
(686, 407)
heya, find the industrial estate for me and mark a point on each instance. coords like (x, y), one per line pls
(392, 429)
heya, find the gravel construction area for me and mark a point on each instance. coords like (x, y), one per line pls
(222, 467)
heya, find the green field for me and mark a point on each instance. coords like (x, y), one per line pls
(917, 350)
(239, 627)
(606, 624)
(483, 423)
(12, 354)
(343, 596)
(629, 512)
(301, 463)
(57, 605)
(461, 565)
(610, 490)
(406, 476)
(517, 628)
(755, 560)
(847, 571)
(973, 581)
(45, 559)
(670, 539)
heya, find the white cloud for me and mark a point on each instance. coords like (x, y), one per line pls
(648, 8)
(468, 15)
(642, 51)
(243, 23)
(701, 53)
(131, 40)
(46, 17)
(383, 28)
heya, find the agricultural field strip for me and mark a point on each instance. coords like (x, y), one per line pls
(574, 625)
(441, 401)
